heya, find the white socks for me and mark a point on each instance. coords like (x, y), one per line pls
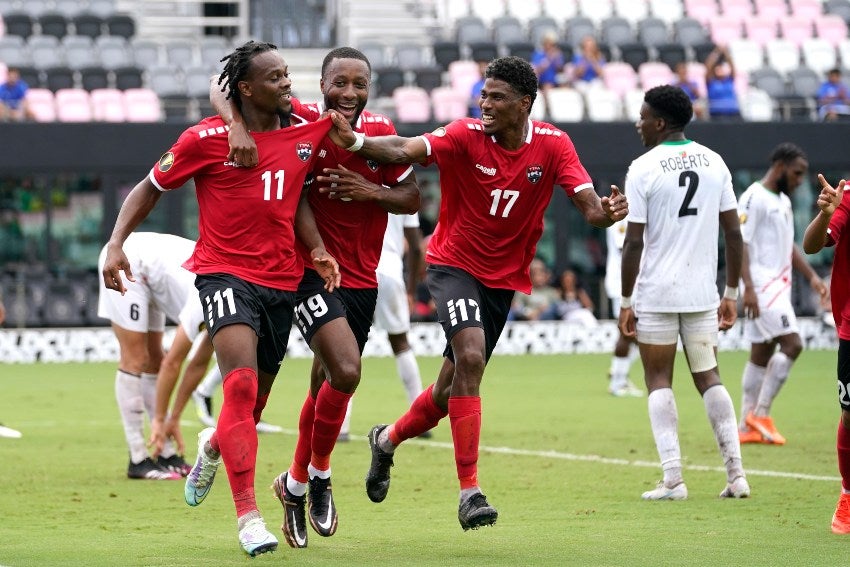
(751, 383)
(408, 371)
(128, 394)
(664, 419)
(619, 371)
(778, 368)
(721, 415)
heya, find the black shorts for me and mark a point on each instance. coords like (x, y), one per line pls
(316, 306)
(462, 301)
(228, 299)
(844, 374)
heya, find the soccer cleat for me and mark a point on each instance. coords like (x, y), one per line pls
(475, 512)
(765, 426)
(378, 477)
(323, 516)
(263, 427)
(149, 470)
(9, 433)
(200, 478)
(203, 408)
(738, 488)
(841, 518)
(750, 436)
(661, 492)
(176, 464)
(625, 390)
(256, 539)
(294, 525)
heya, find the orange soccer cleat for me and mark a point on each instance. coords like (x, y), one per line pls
(841, 518)
(765, 426)
(750, 436)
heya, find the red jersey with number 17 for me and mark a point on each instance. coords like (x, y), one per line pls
(353, 231)
(839, 282)
(246, 222)
(493, 199)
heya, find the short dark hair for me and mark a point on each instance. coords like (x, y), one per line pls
(670, 103)
(344, 53)
(786, 152)
(237, 64)
(515, 71)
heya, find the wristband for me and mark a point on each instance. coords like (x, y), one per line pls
(626, 302)
(358, 143)
(731, 293)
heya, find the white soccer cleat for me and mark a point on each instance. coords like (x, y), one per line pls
(256, 539)
(661, 492)
(625, 389)
(200, 478)
(9, 433)
(738, 488)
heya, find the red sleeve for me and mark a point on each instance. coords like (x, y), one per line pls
(839, 219)
(180, 163)
(449, 139)
(309, 112)
(571, 173)
(392, 174)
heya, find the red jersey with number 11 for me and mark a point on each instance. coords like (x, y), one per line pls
(493, 199)
(246, 222)
(839, 282)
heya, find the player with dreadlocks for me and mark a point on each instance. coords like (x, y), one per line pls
(245, 259)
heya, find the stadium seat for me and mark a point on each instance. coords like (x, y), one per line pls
(165, 82)
(782, 55)
(540, 26)
(59, 77)
(14, 51)
(633, 53)
(181, 53)
(804, 81)
(446, 52)
(107, 105)
(632, 103)
(376, 51)
(30, 75)
(387, 80)
(87, 23)
(671, 53)
(18, 23)
(844, 53)
(120, 24)
(45, 52)
(523, 50)
(757, 106)
(449, 104)
(704, 11)
(469, 29)
(616, 31)
(483, 51)
(796, 30)
(561, 10)
(736, 9)
(129, 77)
(603, 105)
(725, 30)
(653, 31)
(770, 9)
(702, 50)
(508, 29)
(41, 103)
(80, 51)
(832, 28)
(463, 74)
(409, 56)
(73, 105)
(819, 54)
(113, 52)
(95, 77)
(146, 52)
(761, 30)
(565, 104)
(486, 10)
(428, 77)
(668, 10)
(696, 73)
(211, 49)
(769, 80)
(619, 77)
(653, 74)
(633, 10)
(538, 109)
(69, 8)
(412, 104)
(578, 28)
(597, 10)
(53, 23)
(142, 105)
(689, 32)
(746, 54)
(811, 9)
(197, 80)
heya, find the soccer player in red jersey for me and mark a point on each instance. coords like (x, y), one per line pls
(830, 228)
(245, 259)
(350, 201)
(496, 178)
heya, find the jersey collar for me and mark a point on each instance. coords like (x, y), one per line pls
(527, 136)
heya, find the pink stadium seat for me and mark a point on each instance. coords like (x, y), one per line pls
(831, 28)
(771, 9)
(603, 105)
(107, 105)
(449, 104)
(761, 29)
(806, 9)
(463, 74)
(619, 77)
(142, 105)
(725, 29)
(796, 29)
(653, 74)
(73, 105)
(42, 104)
(702, 10)
(736, 9)
(3, 71)
(696, 73)
(412, 104)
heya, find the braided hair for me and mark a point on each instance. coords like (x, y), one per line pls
(236, 66)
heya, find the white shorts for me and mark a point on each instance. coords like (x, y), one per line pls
(192, 317)
(134, 311)
(774, 321)
(666, 328)
(392, 312)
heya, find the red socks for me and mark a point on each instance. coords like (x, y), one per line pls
(465, 417)
(303, 448)
(236, 435)
(843, 446)
(422, 416)
(331, 405)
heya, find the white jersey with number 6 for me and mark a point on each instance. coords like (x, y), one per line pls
(678, 190)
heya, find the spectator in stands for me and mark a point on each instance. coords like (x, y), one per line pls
(574, 303)
(833, 97)
(13, 104)
(548, 62)
(7, 431)
(587, 63)
(540, 304)
(475, 93)
(691, 89)
(720, 84)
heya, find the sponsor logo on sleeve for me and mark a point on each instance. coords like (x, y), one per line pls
(166, 161)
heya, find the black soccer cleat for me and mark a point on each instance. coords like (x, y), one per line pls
(378, 477)
(475, 512)
(322, 511)
(294, 525)
(175, 463)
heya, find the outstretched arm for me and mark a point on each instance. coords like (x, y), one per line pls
(384, 149)
(602, 212)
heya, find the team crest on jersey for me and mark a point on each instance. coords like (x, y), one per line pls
(534, 173)
(373, 165)
(304, 150)
(166, 161)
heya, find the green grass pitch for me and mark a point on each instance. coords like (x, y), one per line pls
(563, 462)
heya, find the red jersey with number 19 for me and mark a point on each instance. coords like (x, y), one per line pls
(493, 199)
(246, 221)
